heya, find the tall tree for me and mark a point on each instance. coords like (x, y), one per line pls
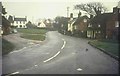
(3, 10)
(92, 8)
(10, 19)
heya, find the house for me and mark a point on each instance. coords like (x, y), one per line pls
(41, 24)
(48, 23)
(104, 26)
(80, 26)
(71, 21)
(112, 25)
(19, 22)
(97, 26)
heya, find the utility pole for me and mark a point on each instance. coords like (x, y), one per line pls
(32, 19)
(68, 11)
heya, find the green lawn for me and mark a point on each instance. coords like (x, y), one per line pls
(32, 31)
(33, 37)
(7, 47)
(33, 34)
(111, 47)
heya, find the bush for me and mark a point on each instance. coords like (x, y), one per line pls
(7, 47)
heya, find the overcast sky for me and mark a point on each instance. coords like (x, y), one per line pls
(39, 9)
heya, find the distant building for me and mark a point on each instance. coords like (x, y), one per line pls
(71, 21)
(19, 22)
(78, 26)
(41, 24)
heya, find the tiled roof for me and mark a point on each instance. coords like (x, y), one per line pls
(20, 19)
(101, 18)
(80, 19)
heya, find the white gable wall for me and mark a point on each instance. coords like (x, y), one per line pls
(20, 24)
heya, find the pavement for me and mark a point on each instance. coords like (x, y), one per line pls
(59, 54)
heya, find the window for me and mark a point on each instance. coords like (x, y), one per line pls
(75, 27)
(85, 20)
(89, 25)
(99, 32)
(16, 22)
(116, 23)
(98, 25)
(23, 22)
(20, 26)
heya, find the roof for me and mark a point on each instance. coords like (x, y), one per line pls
(101, 18)
(5, 22)
(71, 21)
(20, 19)
(80, 19)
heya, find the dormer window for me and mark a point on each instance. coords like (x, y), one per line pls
(116, 23)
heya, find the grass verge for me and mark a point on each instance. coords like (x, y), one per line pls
(33, 37)
(32, 31)
(7, 47)
(110, 47)
(33, 34)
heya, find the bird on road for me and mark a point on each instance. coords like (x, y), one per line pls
(86, 49)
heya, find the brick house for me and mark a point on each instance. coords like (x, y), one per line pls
(112, 25)
(80, 26)
(77, 26)
(104, 25)
(97, 26)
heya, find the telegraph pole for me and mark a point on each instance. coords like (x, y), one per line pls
(68, 11)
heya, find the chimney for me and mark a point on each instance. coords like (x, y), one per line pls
(71, 16)
(91, 16)
(26, 18)
(79, 14)
(118, 4)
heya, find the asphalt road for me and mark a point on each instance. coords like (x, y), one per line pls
(59, 54)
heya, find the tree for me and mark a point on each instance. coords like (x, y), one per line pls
(30, 25)
(61, 23)
(10, 19)
(3, 10)
(92, 8)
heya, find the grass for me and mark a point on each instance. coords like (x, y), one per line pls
(33, 34)
(33, 37)
(107, 46)
(7, 47)
(32, 31)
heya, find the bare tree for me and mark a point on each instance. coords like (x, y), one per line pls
(92, 8)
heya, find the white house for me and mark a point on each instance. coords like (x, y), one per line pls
(19, 22)
(41, 24)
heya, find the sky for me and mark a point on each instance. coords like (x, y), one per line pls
(40, 9)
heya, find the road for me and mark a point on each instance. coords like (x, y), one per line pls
(59, 54)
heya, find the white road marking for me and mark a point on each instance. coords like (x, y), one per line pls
(36, 65)
(63, 44)
(52, 57)
(15, 73)
(79, 69)
(18, 50)
(73, 53)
